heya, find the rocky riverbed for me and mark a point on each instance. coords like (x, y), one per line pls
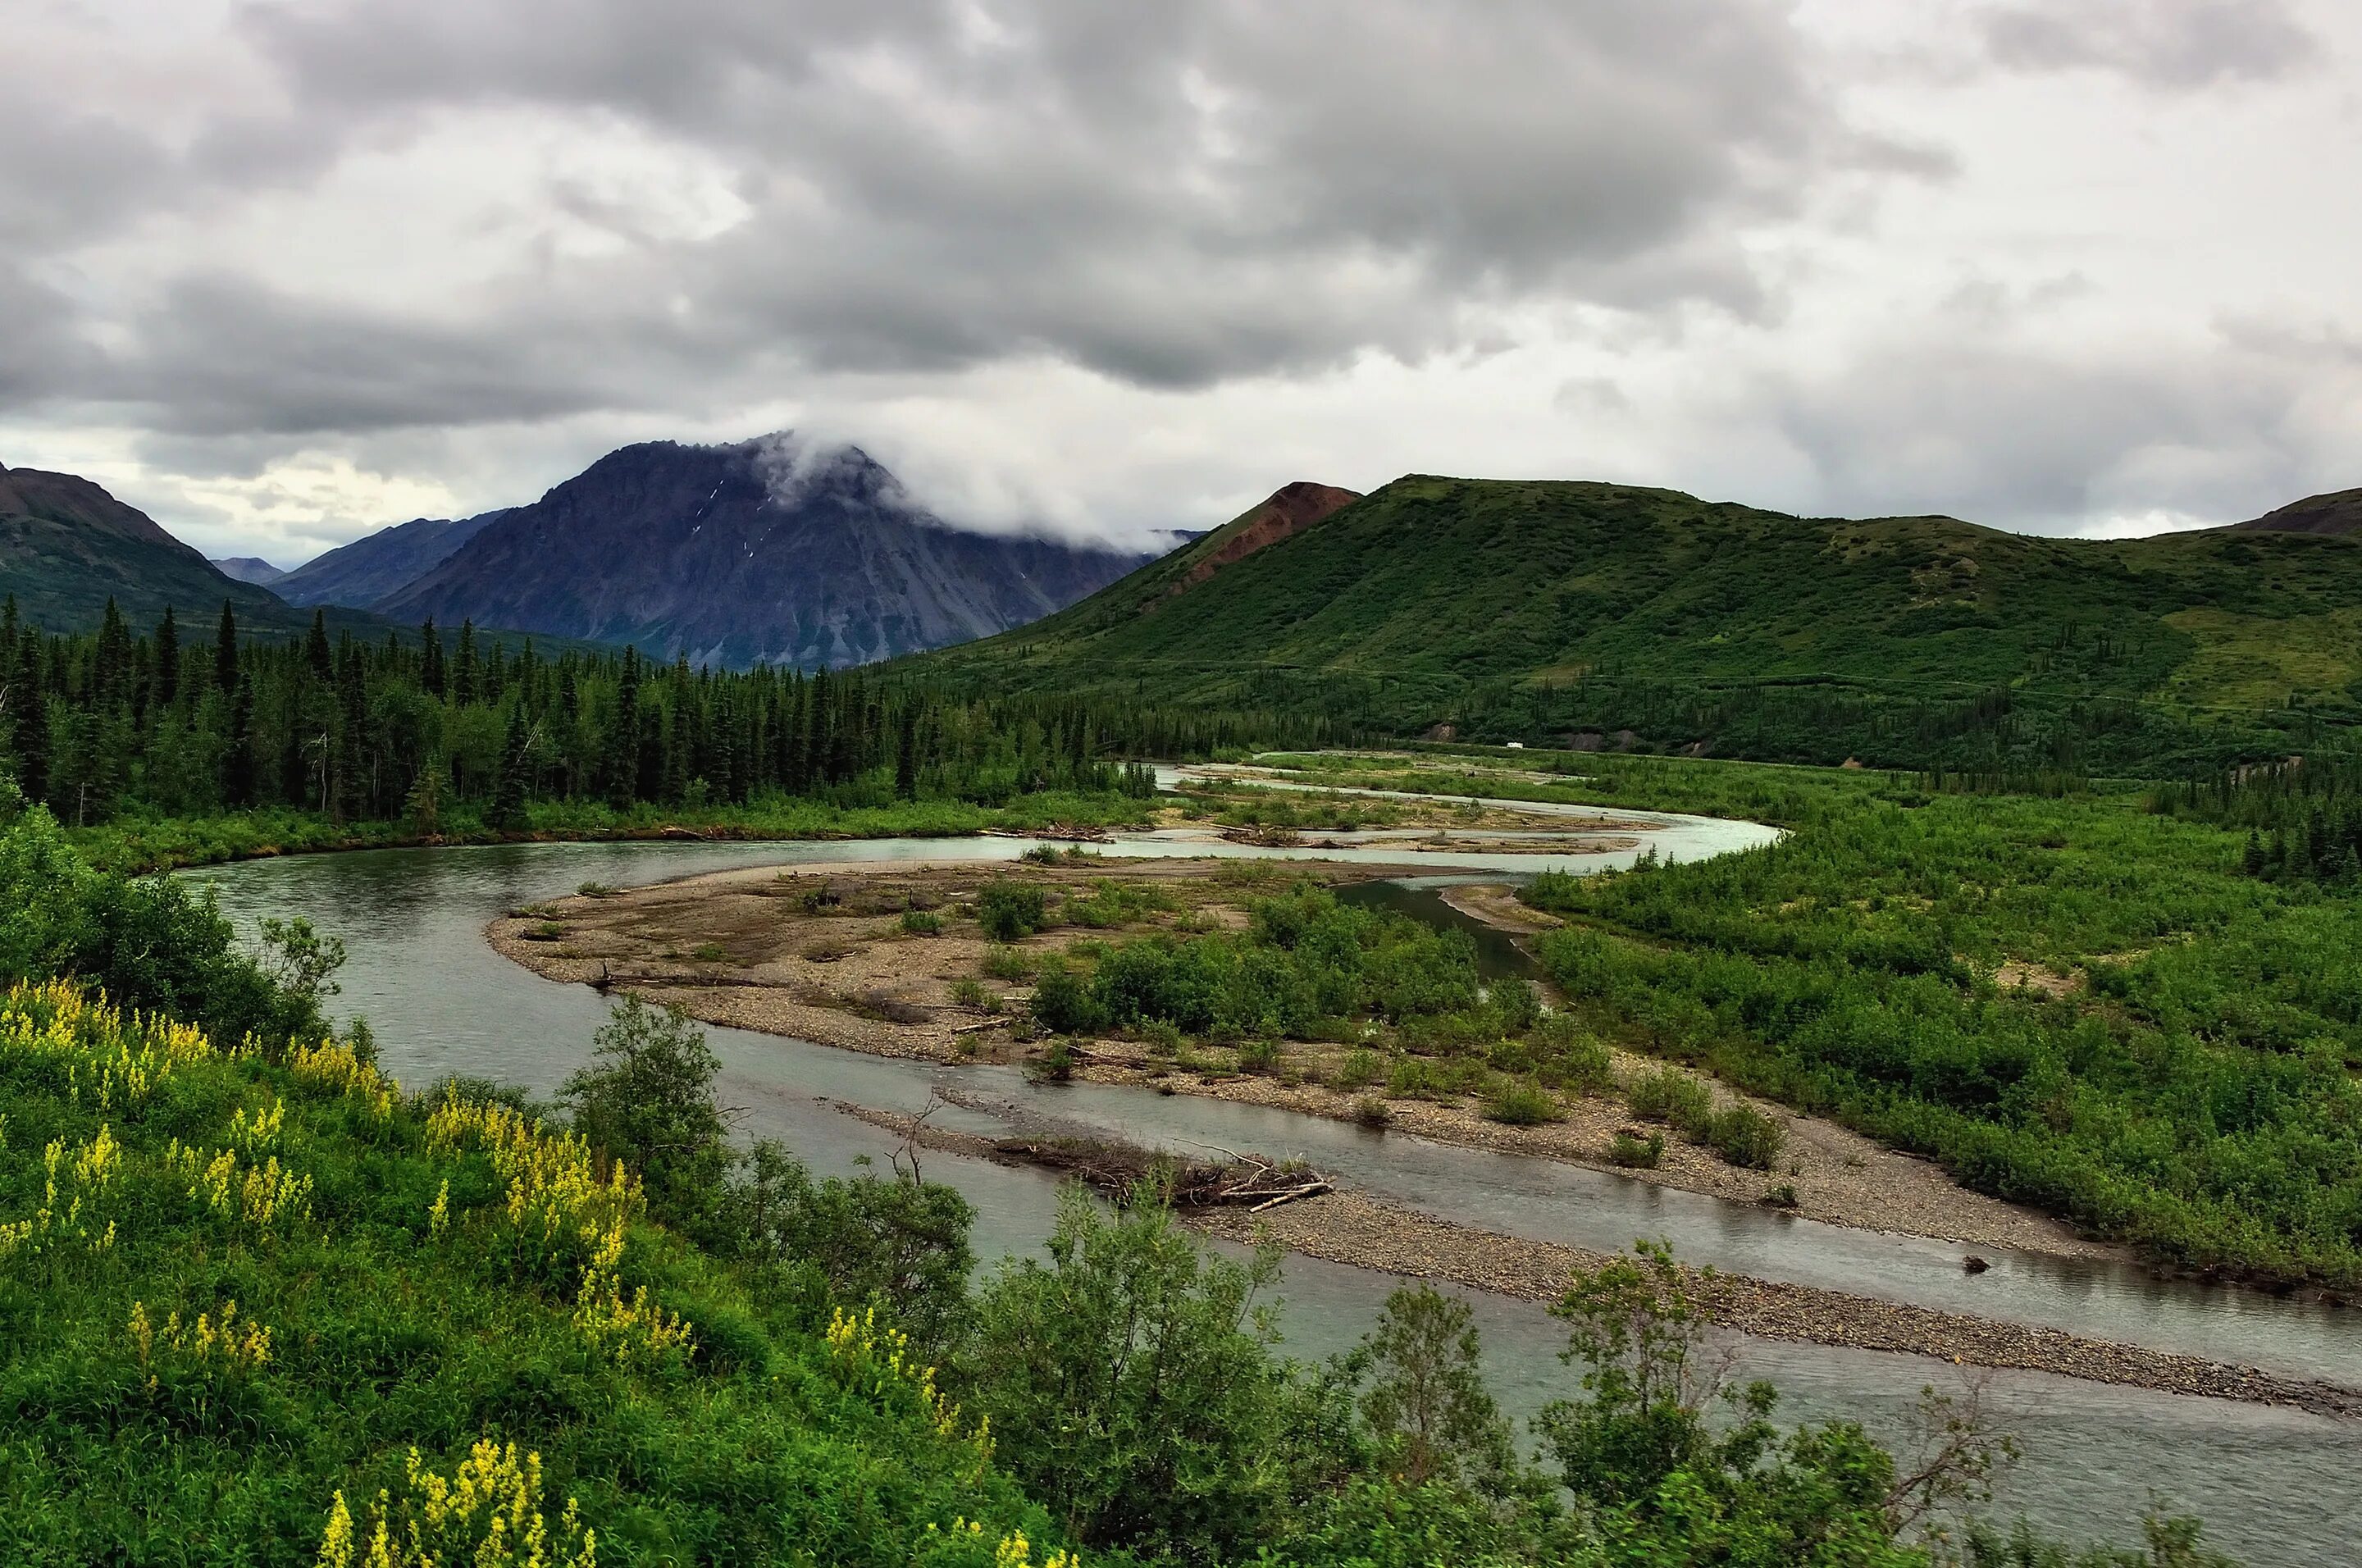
(1353, 1228)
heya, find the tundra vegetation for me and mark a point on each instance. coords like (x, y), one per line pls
(267, 1306)
(2083, 996)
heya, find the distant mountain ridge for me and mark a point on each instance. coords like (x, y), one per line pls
(248, 568)
(1406, 599)
(2338, 511)
(763, 551)
(66, 546)
(378, 565)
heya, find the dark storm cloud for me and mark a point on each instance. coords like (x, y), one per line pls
(1173, 194)
(2163, 43)
(331, 369)
(67, 175)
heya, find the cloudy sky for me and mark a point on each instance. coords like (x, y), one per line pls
(282, 272)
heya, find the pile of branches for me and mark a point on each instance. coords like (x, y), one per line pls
(1121, 1171)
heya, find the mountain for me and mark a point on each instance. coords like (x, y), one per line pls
(66, 546)
(2339, 512)
(377, 565)
(765, 551)
(1429, 586)
(248, 569)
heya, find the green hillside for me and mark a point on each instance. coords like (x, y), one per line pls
(66, 546)
(1432, 591)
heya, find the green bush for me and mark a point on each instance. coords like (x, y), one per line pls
(1631, 1150)
(1064, 1002)
(1669, 1095)
(1522, 1105)
(1515, 1004)
(1133, 1333)
(1576, 1058)
(1011, 964)
(921, 923)
(1410, 1077)
(1010, 911)
(1745, 1136)
(1259, 1056)
(1360, 1068)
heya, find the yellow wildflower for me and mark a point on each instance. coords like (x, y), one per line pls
(487, 1513)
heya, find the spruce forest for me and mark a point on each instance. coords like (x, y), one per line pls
(351, 741)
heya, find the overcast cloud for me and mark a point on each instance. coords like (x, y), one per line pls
(282, 272)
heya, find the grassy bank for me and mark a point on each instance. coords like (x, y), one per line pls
(135, 846)
(249, 1295)
(2074, 1002)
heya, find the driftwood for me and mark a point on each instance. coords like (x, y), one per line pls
(1065, 833)
(1117, 1169)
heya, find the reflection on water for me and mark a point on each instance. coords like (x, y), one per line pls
(2274, 1486)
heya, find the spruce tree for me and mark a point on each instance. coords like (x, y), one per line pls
(31, 711)
(513, 787)
(430, 665)
(110, 661)
(167, 672)
(463, 668)
(316, 656)
(226, 650)
(237, 747)
(619, 765)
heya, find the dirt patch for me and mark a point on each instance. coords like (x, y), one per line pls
(1289, 510)
(2016, 974)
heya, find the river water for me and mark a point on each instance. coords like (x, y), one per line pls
(2276, 1486)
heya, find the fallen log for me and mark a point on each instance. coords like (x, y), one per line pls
(1118, 1169)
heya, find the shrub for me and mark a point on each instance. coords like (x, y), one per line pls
(1746, 1137)
(1514, 1002)
(1578, 1058)
(1009, 963)
(594, 889)
(815, 899)
(1359, 1069)
(1135, 1332)
(1634, 1152)
(1522, 1105)
(1163, 1036)
(1676, 1098)
(1042, 855)
(921, 923)
(1511, 1057)
(1410, 1076)
(1008, 911)
(1781, 1194)
(1372, 1111)
(1259, 1056)
(1065, 1003)
(646, 1099)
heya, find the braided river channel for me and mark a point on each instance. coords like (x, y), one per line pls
(2274, 1486)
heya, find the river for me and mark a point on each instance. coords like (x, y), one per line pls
(2276, 1486)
